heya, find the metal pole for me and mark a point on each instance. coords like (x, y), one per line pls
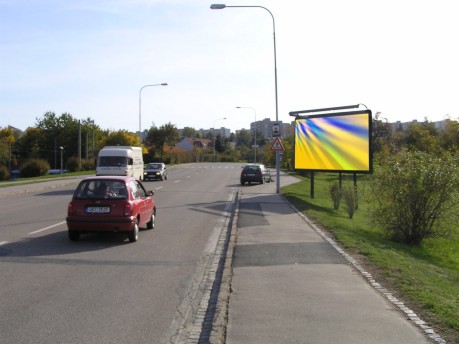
(62, 159)
(222, 6)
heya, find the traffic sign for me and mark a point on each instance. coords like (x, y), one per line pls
(277, 145)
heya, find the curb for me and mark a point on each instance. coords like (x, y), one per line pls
(220, 322)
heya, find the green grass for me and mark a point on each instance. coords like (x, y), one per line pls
(426, 277)
(41, 179)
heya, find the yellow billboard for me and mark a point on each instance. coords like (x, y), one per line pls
(339, 142)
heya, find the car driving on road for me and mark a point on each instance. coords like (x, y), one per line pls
(110, 204)
(257, 173)
(155, 170)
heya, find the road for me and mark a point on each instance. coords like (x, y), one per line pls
(103, 289)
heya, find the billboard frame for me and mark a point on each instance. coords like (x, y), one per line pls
(327, 113)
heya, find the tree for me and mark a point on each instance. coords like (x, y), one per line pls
(449, 138)
(122, 138)
(189, 132)
(413, 193)
(244, 138)
(219, 144)
(422, 137)
(381, 134)
(166, 135)
(6, 141)
(58, 132)
(28, 145)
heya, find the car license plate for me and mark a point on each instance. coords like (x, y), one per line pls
(251, 175)
(97, 210)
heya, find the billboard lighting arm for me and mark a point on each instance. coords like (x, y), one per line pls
(295, 113)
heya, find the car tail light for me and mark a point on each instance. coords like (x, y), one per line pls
(127, 209)
(70, 209)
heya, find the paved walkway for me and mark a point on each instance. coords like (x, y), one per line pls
(291, 284)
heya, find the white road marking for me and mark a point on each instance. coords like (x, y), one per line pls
(3, 243)
(177, 181)
(46, 228)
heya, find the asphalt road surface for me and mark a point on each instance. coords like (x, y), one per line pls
(103, 289)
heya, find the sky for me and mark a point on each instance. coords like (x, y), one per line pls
(91, 58)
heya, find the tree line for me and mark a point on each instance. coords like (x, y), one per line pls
(79, 141)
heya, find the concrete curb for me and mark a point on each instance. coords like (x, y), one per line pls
(220, 322)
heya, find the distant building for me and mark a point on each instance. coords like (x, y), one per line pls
(189, 144)
(403, 126)
(223, 132)
(265, 127)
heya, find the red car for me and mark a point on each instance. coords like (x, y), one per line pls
(110, 203)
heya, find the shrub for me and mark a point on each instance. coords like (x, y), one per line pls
(413, 193)
(335, 194)
(4, 173)
(350, 200)
(88, 165)
(34, 168)
(73, 164)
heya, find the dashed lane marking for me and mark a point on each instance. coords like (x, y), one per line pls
(46, 228)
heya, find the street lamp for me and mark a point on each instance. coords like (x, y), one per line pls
(219, 119)
(255, 146)
(222, 6)
(62, 159)
(140, 105)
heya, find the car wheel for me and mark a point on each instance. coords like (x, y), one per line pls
(74, 235)
(161, 178)
(262, 181)
(134, 233)
(151, 223)
(242, 182)
(165, 177)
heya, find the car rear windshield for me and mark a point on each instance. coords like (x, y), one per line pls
(101, 188)
(251, 168)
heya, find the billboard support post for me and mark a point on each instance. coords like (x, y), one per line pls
(355, 191)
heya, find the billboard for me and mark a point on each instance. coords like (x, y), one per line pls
(338, 142)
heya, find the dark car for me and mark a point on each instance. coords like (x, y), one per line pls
(256, 173)
(155, 170)
(110, 204)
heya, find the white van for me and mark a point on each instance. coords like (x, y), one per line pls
(120, 161)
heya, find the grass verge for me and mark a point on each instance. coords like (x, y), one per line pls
(41, 179)
(425, 277)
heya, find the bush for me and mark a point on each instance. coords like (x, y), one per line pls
(4, 173)
(34, 168)
(413, 193)
(335, 194)
(350, 200)
(88, 165)
(73, 164)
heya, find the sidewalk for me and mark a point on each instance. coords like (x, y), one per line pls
(291, 284)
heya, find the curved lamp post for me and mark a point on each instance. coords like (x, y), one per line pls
(219, 119)
(222, 6)
(255, 146)
(140, 105)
